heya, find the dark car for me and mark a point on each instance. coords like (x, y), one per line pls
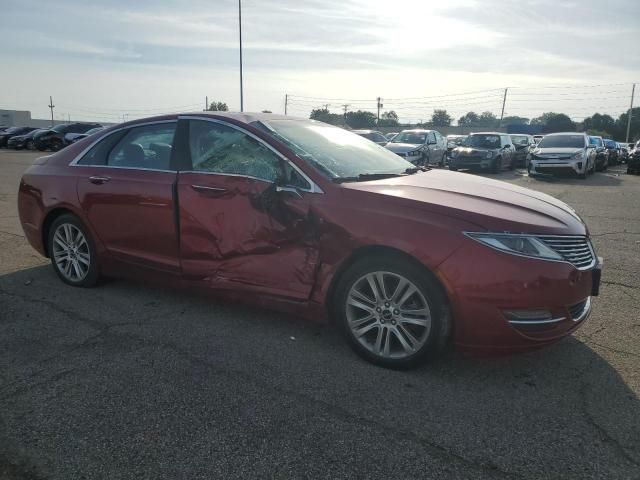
(523, 144)
(372, 135)
(420, 147)
(624, 152)
(19, 142)
(310, 218)
(602, 154)
(454, 141)
(53, 139)
(612, 148)
(70, 138)
(11, 132)
(487, 151)
(633, 163)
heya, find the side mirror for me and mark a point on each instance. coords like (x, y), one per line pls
(290, 190)
(507, 146)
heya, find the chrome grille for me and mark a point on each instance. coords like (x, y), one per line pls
(577, 250)
(579, 310)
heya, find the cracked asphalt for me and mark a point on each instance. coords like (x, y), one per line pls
(130, 380)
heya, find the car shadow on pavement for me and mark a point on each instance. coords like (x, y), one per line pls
(86, 370)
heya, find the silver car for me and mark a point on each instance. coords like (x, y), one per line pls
(420, 147)
(568, 152)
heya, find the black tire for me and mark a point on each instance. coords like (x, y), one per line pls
(56, 145)
(93, 274)
(453, 169)
(496, 165)
(440, 328)
(29, 145)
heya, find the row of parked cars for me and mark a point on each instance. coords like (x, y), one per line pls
(566, 152)
(54, 138)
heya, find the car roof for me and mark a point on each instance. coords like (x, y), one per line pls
(365, 131)
(488, 133)
(564, 133)
(416, 130)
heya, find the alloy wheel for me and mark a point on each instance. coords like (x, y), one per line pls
(71, 252)
(388, 315)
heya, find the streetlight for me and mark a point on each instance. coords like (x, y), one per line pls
(240, 31)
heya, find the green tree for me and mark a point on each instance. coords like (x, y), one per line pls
(218, 107)
(515, 120)
(621, 125)
(554, 122)
(389, 119)
(440, 118)
(488, 120)
(603, 123)
(361, 119)
(324, 115)
(469, 119)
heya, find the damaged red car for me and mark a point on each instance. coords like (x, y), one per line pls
(309, 218)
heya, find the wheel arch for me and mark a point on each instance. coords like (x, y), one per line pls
(48, 221)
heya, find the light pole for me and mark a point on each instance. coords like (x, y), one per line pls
(240, 31)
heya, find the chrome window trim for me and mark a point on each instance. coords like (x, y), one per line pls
(239, 175)
(585, 311)
(565, 237)
(77, 158)
(314, 186)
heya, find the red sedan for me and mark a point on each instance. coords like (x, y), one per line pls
(305, 217)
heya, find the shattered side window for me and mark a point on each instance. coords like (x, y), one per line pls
(217, 148)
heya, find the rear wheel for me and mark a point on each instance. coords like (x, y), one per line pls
(29, 145)
(72, 251)
(391, 312)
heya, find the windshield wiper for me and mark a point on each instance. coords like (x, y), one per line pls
(367, 176)
(412, 170)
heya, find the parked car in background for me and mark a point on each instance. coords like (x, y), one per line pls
(568, 152)
(612, 148)
(309, 218)
(602, 154)
(491, 151)
(12, 132)
(454, 141)
(420, 147)
(389, 136)
(537, 138)
(372, 135)
(624, 152)
(523, 144)
(633, 163)
(70, 138)
(53, 138)
(19, 142)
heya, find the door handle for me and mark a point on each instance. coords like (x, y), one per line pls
(205, 189)
(99, 180)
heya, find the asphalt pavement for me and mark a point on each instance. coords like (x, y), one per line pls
(132, 381)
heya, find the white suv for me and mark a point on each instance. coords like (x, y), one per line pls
(568, 152)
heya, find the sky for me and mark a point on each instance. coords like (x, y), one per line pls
(116, 59)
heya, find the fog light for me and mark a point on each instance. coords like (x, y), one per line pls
(580, 165)
(531, 317)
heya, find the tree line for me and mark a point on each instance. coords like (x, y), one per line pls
(597, 124)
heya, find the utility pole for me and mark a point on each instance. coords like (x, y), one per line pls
(379, 107)
(345, 106)
(51, 106)
(69, 117)
(240, 31)
(504, 101)
(286, 102)
(206, 103)
(633, 90)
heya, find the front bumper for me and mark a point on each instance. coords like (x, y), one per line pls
(485, 286)
(15, 143)
(471, 161)
(560, 166)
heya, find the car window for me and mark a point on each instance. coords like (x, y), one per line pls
(378, 137)
(431, 137)
(148, 146)
(97, 155)
(218, 148)
(413, 138)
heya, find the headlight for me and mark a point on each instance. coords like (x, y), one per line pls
(525, 245)
(413, 153)
(489, 154)
(577, 155)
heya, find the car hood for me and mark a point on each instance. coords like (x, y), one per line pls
(489, 204)
(556, 151)
(22, 136)
(402, 147)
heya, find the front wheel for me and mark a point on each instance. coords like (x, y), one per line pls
(391, 312)
(29, 145)
(495, 166)
(72, 251)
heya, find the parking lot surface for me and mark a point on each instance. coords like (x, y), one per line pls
(128, 380)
